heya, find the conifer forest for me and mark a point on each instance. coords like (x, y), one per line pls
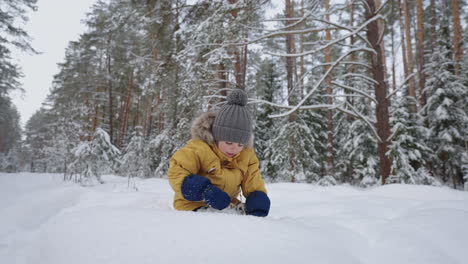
(362, 92)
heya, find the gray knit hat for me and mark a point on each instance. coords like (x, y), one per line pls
(233, 122)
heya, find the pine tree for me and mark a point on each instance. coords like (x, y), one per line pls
(64, 139)
(446, 116)
(37, 140)
(279, 147)
(12, 37)
(12, 13)
(267, 83)
(159, 151)
(158, 64)
(358, 152)
(10, 161)
(408, 149)
(134, 163)
(93, 159)
(10, 130)
(464, 101)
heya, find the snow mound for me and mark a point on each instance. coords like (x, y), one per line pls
(46, 220)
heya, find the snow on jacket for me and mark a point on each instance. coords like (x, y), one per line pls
(201, 156)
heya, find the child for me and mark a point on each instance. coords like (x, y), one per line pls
(219, 161)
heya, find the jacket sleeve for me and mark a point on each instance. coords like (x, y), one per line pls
(183, 163)
(253, 180)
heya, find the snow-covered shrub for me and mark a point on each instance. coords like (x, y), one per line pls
(11, 161)
(94, 158)
(358, 154)
(366, 173)
(134, 162)
(408, 149)
(446, 116)
(159, 151)
(290, 155)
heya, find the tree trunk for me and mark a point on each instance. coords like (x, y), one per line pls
(328, 81)
(97, 104)
(409, 55)
(149, 116)
(109, 88)
(433, 26)
(95, 117)
(290, 61)
(136, 119)
(150, 105)
(457, 37)
(238, 67)
(159, 99)
(125, 110)
(87, 118)
(352, 57)
(392, 37)
(408, 37)
(381, 89)
(250, 16)
(222, 79)
(244, 63)
(420, 52)
(348, 177)
(120, 119)
(301, 58)
(403, 39)
(290, 66)
(145, 117)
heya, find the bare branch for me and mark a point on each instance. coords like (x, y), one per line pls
(343, 95)
(395, 133)
(354, 90)
(381, 6)
(354, 32)
(401, 85)
(344, 28)
(362, 76)
(322, 79)
(298, 20)
(360, 28)
(357, 63)
(307, 107)
(369, 124)
(365, 4)
(382, 34)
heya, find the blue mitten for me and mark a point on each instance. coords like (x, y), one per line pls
(198, 188)
(193, 187)
(215, 197)
(257, 204)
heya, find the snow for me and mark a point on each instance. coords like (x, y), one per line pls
(46, 220)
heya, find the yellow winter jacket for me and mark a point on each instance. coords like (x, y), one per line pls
(201, 156)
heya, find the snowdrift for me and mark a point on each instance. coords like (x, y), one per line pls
(46, 220)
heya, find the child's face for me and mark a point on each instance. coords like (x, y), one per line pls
(230, 149)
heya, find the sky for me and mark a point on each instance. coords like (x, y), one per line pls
(52, 26)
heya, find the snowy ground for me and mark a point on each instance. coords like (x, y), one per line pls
(47, 221)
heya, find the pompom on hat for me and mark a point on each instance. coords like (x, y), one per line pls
(233, 122)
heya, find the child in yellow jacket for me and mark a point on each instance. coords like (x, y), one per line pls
(219, 161)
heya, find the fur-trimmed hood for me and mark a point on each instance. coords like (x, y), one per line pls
(202, 157)
(201, 129)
